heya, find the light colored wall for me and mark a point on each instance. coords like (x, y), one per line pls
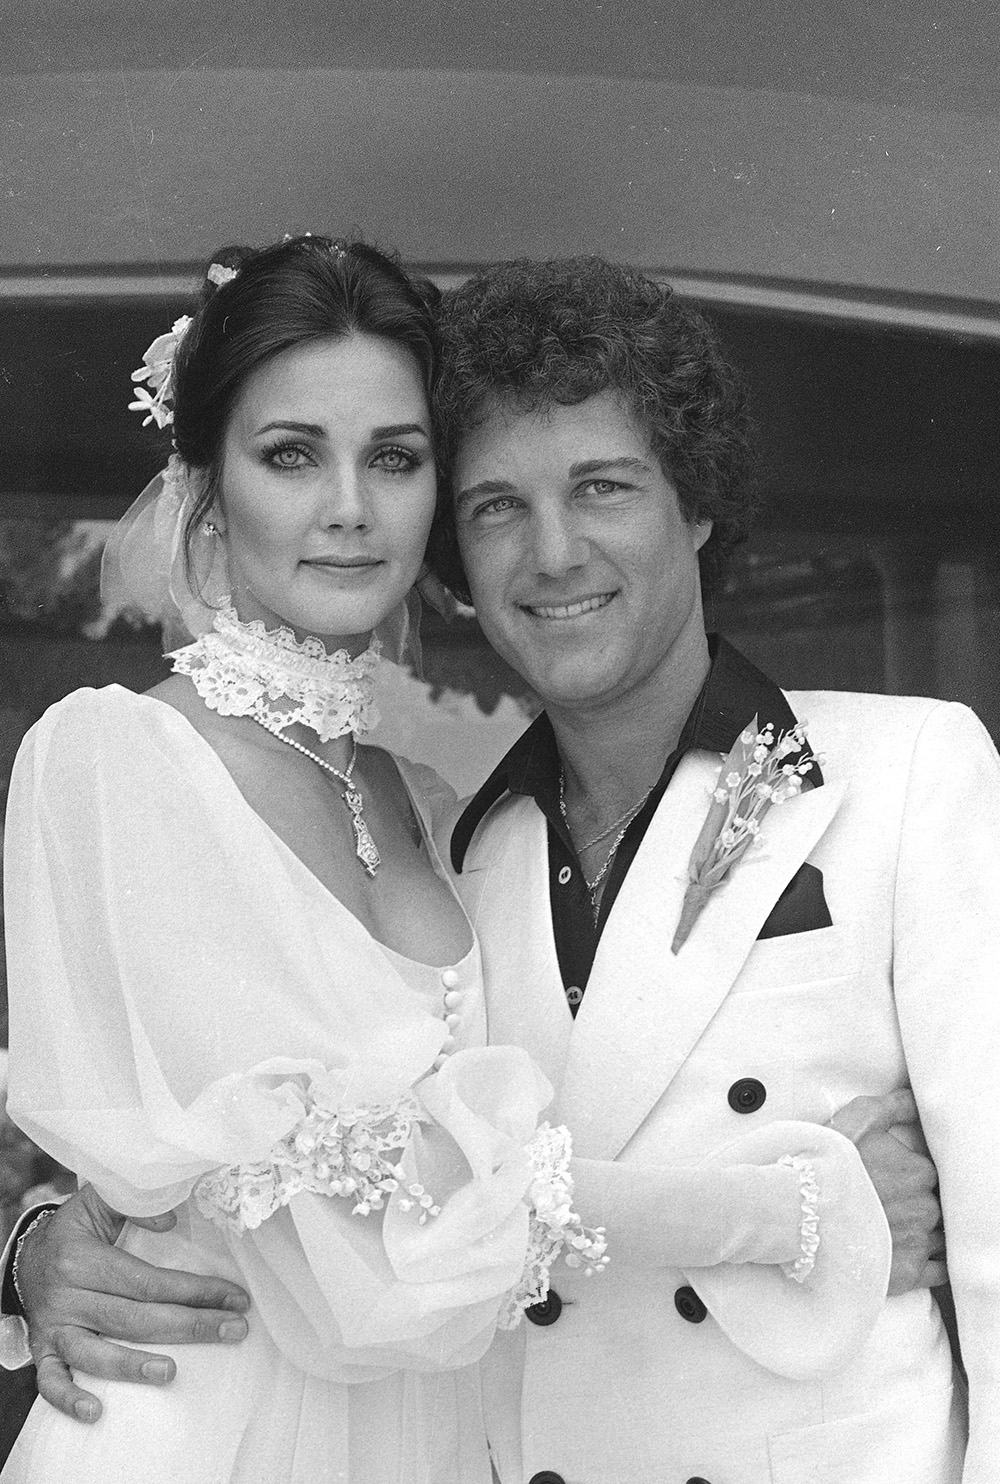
(458, 166)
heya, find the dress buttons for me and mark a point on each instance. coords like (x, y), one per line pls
(688, 1305)
(698, 1480)
(439, 1062)
(547, 1476)
(747, 1095)
(564, 875)
(449, 978)
(452, 1020)
(547, 1312)
(447, 1043)
(452, 999)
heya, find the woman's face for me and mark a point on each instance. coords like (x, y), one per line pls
(327, 488)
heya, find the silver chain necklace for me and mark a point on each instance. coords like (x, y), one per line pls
(364, 846)
(624, 820)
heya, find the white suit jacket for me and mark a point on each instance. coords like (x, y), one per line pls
(902, 989)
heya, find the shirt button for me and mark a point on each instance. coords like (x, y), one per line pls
(547, 1476)
(564, 875)
(746, 1095)
(574, 994)
(449, 978)
(452, 999)
(689, 1306)
(546, 1312)
(698, 1480)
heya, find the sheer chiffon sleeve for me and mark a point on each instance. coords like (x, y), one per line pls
(161, 957)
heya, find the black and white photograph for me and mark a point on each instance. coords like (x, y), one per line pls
(499, 705)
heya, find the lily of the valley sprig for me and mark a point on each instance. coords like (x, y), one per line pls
(756, 774)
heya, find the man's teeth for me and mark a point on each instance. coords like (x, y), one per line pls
(572, 610)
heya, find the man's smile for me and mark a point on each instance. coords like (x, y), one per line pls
(574, 609)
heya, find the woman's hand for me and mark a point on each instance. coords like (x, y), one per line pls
(78, 1289)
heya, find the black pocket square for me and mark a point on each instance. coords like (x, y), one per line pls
(801, 908)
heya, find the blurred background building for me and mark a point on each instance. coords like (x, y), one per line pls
(822, 180)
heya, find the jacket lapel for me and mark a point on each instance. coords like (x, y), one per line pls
(645, 1008)
(505, 888)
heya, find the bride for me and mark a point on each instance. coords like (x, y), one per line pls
(242, 985)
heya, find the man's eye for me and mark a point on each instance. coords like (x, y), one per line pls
(499, 505)
(396, 460)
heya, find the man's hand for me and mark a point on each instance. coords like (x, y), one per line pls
(905, 1181)
(78, 1288)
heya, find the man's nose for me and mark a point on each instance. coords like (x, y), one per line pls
(558, 545)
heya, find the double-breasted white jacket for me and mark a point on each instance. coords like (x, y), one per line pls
(902, 989)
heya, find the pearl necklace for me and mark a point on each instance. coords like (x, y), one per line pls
(364, 846)
(243, 669)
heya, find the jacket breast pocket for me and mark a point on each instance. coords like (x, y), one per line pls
(799, 958)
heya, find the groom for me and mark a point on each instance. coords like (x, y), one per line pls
(600, 460)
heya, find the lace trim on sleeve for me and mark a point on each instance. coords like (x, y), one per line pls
(554, 1226)
(333, 1152)
(802, 1266)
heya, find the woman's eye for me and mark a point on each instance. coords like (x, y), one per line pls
(288, 456)
(396, 460)
(601, 487)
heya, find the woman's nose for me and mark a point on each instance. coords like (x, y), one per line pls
(344, 501)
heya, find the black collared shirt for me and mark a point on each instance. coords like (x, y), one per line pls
(733, 694)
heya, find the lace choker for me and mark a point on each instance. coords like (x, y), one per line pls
(244, 669)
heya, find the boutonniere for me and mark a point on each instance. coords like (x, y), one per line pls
(759, 771)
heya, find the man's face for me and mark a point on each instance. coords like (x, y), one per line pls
(583, 571)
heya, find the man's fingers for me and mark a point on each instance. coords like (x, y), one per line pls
(134, 1279)
(56, 1385)
(95, 1356)
(870, 1115)
(157, 1324)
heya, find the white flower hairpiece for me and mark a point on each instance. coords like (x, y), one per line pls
(158, 362)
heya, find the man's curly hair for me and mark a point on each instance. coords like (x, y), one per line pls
(525, 336)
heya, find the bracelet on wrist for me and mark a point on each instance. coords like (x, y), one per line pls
(42, 1216)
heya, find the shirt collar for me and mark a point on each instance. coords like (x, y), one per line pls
(735, 692)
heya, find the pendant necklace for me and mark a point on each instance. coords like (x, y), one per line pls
(623, 820)
(364, 846)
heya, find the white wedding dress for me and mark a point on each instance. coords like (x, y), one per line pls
(162, 942)
(179, 982)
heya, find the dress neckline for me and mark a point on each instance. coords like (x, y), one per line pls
(401, 766)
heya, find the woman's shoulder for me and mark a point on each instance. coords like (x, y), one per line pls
(100, 728)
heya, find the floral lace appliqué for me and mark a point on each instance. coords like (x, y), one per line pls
(554, 1227)
(803, 1265)
(244, 669)
(330, 1151)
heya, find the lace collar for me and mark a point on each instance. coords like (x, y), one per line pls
(244, 669)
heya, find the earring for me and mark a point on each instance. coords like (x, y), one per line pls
(210, 528)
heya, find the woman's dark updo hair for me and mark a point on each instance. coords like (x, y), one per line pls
(296, 291)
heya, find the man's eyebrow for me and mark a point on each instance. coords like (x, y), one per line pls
(613, 461)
